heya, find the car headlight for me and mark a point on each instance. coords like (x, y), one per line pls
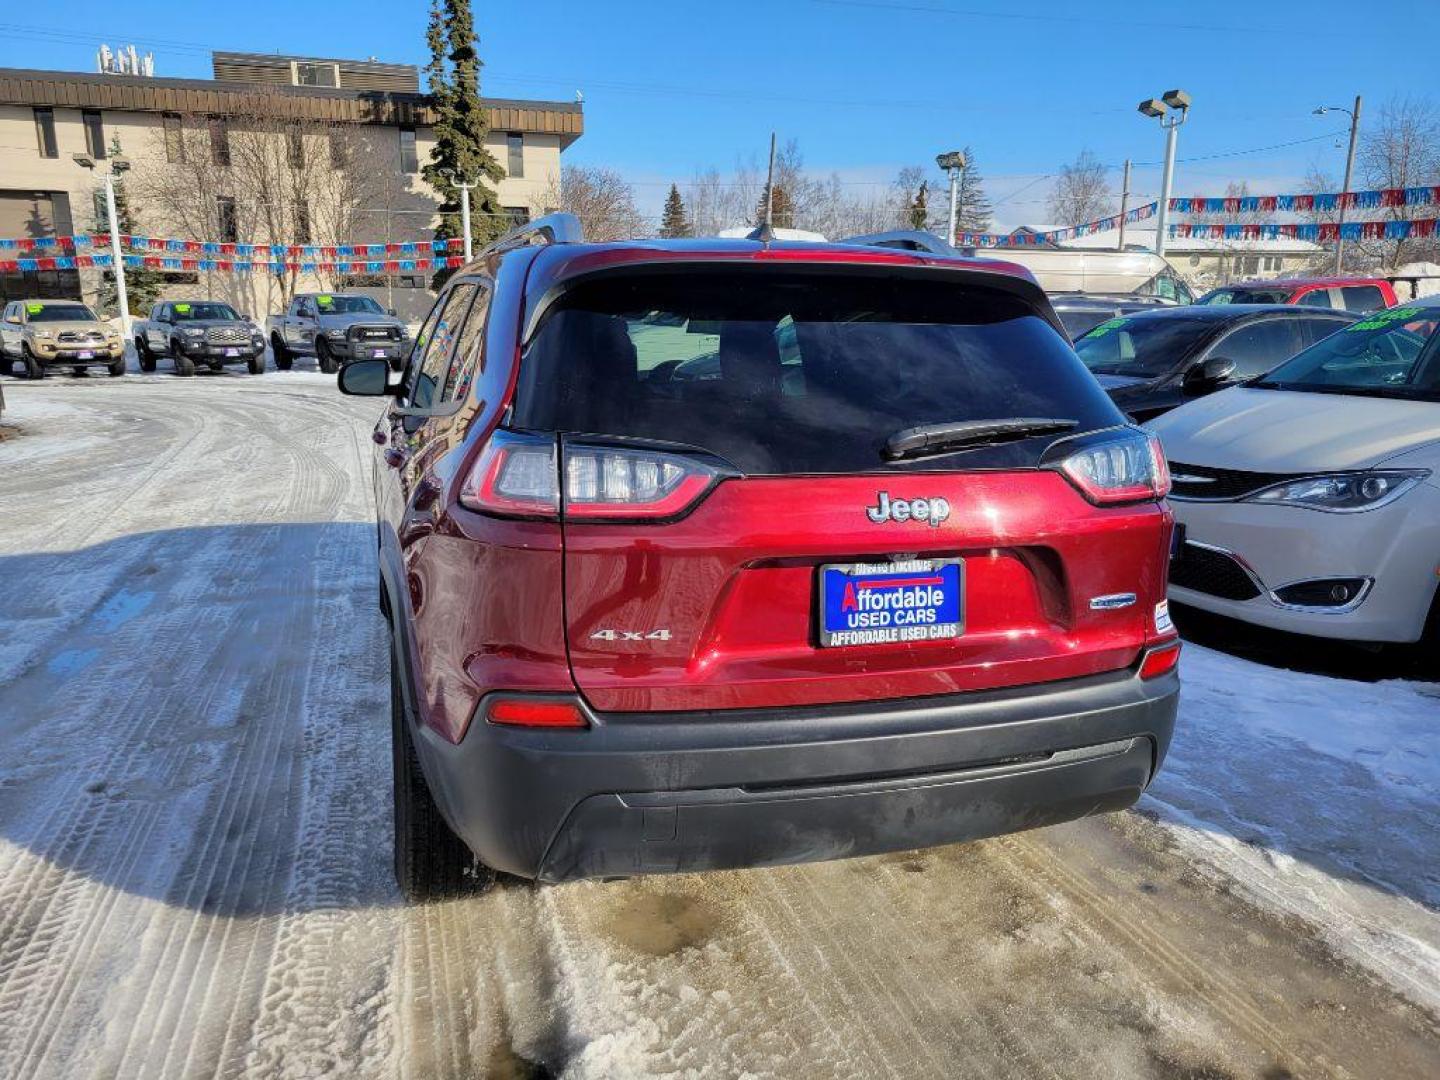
(193, 331)
(44, 335)
(1343, 493)
(336, 335)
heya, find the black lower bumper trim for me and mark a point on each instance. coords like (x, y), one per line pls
(698, 791)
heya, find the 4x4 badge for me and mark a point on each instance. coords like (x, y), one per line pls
(933, 510)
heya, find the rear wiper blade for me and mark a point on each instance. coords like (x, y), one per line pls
(941, 438)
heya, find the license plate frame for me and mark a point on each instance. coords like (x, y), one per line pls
(379, 354)
(232, 352)
(85, 354)
(890, 622)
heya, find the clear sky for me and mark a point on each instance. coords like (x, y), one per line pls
(866, 86)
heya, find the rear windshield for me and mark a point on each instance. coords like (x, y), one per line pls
(794, 371)
(1140, 347)
(1246, 296)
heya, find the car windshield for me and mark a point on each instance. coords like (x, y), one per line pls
(347, 305)
(192, 312)
(1393, 353)
(59, 313)
(786, 370)
(1245, 296)
(1141, 347)
(1079, 320)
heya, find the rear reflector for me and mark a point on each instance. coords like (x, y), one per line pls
(1159, 661)
(1129, 467)
(522, 712)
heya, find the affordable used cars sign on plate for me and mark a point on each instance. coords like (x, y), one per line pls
(883, 603)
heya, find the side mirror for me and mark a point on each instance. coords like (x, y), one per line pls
(390, 311)
(366, 378)
(1211, 373)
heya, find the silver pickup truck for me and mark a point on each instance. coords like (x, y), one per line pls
(336, 328)
(194, 332)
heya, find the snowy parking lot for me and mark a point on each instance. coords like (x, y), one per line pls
(195, 833)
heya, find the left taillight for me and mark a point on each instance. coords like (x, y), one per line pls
(519, 711)
(518, 475)
(1124, 467)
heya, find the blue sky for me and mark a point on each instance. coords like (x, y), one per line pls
(866, 86)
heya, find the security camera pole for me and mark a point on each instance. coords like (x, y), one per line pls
(1179, 101)
(954, 164)
(117, 165)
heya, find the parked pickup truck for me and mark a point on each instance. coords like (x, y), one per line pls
(336, 328)
(194, 332)
(40, 334)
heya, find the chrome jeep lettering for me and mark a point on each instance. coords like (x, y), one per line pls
(932, 511)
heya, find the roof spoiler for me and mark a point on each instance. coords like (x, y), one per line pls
(905, 239)
(558, 228)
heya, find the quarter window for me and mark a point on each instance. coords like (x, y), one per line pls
(1316, 298)
(1362, 298)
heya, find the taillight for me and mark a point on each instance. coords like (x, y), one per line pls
(625, 483)
(1119, 468)
(516, 475)
(1159, 661)
(530, 712)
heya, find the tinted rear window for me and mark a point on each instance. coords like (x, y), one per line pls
(792, 371)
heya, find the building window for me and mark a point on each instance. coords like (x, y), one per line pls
(519, 215)
(45, 132)
(307, 74)
(515, 153)
(295, 147)
(339, 149)
(102, 211)
(219, 141)
(174, 138)
(225, 216)
(302, 223)
(409, 162)
(412, 281)
(94, 133)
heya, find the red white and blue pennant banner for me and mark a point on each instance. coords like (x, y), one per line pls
(1323, 232)
(309, 252)
(1377, 199)
(235, 266)
(1044, 239)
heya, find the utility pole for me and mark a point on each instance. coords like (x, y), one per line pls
(121, 298)
(954, 164)
(1177, 104)
(465, 214)
(1124, 205)
(1349, 170)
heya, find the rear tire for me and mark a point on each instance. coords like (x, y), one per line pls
(324, 357)
(431, 862)
(143, 354)
(283, 359)
(33, 370)
(256, 364)
(184, 366)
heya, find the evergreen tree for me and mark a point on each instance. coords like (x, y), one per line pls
(919, 212)
(675, 222)
(973, 207)
(459, 153)
(142, 286)
(782, 210)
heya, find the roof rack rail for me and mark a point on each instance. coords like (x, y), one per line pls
(556, 228)
(907, 239)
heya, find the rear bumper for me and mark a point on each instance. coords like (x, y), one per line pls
(703, 791)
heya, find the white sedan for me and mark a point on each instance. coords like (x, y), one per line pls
(1309, 499)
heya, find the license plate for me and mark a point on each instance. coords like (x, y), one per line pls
(232, 352)
(85, 354)
(886, 603)
(377, 354)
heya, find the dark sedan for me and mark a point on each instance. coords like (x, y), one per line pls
(1150, 362)
(1082, 311)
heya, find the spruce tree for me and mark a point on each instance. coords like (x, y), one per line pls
(782, 210)
(973, 210)
(142, 286)
(919, 213)
(461, 124)
(675, 222)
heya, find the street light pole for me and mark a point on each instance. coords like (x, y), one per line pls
(953, 163)
(1175, 103)
(1124, 205)
(120, 295)
(1349, 171)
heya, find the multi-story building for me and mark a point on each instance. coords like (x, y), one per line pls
(273, 149)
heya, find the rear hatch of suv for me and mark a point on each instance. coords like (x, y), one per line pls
(792, 484)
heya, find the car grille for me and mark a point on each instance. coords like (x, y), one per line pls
(1202, 482)
(1215, 573)
(374, 333)
(79, 337)
(227, 335)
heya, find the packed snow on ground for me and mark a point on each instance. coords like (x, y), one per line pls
(1321, 797)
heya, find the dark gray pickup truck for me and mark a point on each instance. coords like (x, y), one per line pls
(336, 328)
(192, 332)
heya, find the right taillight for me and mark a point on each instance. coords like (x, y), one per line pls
(1160, 661)
(1128, 466)
(517, 475)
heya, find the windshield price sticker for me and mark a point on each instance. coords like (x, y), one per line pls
(325, 301)
(1105, 327)
(1382, 319)
(183, 309)
(34, 309)
(888, 603)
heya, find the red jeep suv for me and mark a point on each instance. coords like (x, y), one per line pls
(701, 554)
